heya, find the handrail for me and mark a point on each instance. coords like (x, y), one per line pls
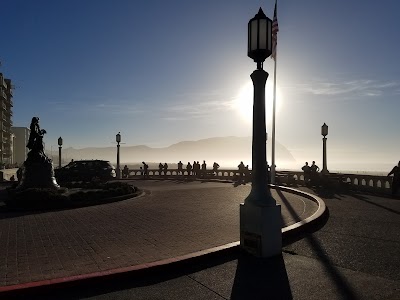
(360, 182)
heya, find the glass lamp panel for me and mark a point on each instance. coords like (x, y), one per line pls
(269, 36)
(253, 35)
(262, 35)
(324, 130)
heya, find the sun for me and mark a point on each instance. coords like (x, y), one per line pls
(243, 103)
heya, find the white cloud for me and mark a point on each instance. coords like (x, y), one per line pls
(349, 89)
(197, 110)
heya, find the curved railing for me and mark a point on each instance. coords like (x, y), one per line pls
(360, 182)
(356, 181)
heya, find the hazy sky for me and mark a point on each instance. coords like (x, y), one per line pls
(166, 71)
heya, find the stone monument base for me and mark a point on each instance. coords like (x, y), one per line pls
(38, 175)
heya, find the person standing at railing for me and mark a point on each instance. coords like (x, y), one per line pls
(165, 169)
(306, 169)
(204, 169)
(314, 173)
(160, 168)
(189, 168)
(247, 173)
(268, 173)
(125, 172)
(396, 178)
(145, 170)
(180, 169)
(215, 168)
(241, 171)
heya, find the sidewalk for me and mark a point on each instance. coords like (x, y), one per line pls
(172, 219)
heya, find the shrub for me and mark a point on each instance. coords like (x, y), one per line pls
(86, 193)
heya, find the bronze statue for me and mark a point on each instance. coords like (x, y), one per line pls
(35, 143)
(37, 171)
(36, 135)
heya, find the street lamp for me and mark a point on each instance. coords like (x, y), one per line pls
(260, 216)
(324, 132)
(60, 142)
(118, 140)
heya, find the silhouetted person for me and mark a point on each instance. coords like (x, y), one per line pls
(247, 173)
(268, 173)
(165, 169)
(204, 169)
(215, 168)
(12, 178)
(396, 178)
(194, 168)
(307, 170)
(145, 169)
(189, 168)
(160, 168)
(314, 173)
(241, 170)
(125, 171)
(19, 174)
(198, 169)
(180, 169)
(314, 168)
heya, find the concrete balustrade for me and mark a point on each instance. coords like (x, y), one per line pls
(360, 182)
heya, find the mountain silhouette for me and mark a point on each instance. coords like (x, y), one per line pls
(227, 151)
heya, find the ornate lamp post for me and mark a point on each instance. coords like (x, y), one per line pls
(260, 216)
(60, 142)
(324, 132)
(118, 140)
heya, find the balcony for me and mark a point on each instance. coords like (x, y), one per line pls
(3, 95)
(3, 83)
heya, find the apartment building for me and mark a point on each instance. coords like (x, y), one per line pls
(6, 104)
(21, 139)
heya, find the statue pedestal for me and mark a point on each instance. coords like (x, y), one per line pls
(38, 175)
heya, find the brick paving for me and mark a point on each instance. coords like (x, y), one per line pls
(170, 220)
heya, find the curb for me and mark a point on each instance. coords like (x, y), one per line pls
(307, 223)
(170, 263)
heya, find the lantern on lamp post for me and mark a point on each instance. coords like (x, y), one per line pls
(324, 133)
(60, 143)
(118, 140)
(260, 216)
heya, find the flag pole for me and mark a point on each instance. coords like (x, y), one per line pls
(273, 125)
(275, 32)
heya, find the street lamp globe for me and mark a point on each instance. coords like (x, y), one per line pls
(324, 130)
(60, 141)
(259, 44)
(118, 137)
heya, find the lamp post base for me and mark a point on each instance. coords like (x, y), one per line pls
(324, 171)
(261, 229)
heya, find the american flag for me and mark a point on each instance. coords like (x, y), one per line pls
(275, 29)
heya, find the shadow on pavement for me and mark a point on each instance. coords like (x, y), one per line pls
(329, 194)
(342, 285)
(261, 278)
(120, 283)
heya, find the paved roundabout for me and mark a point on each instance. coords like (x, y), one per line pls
(171, 219)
